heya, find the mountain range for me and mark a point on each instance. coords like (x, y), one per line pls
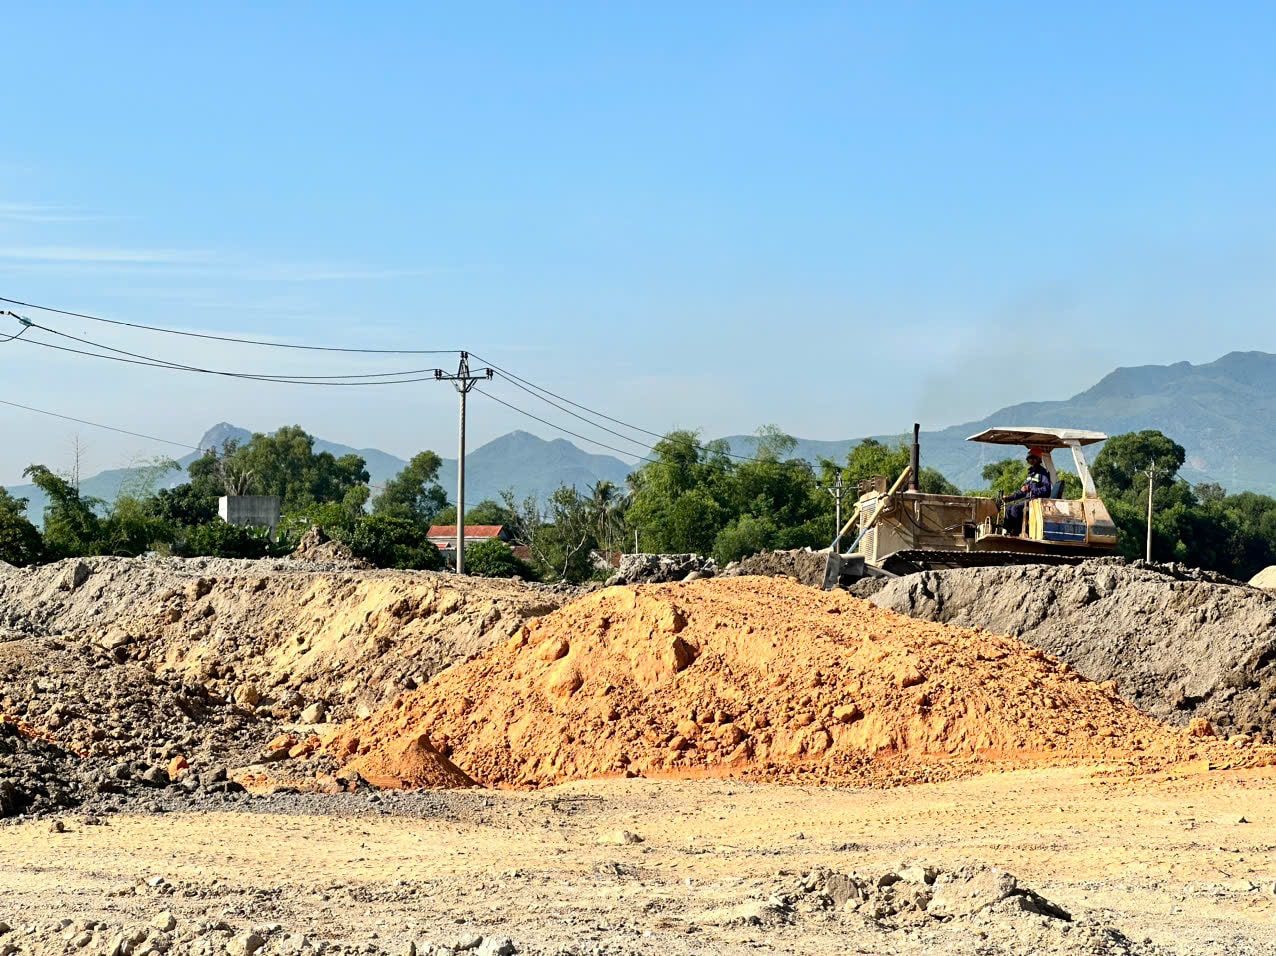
(1219, 412)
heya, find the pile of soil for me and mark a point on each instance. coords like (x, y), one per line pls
(1180, 644)
(78, 725)
(757, 677)
(802, 565)
(315, 547)
(281, 634)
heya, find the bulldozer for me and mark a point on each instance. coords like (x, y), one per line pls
(902, 530)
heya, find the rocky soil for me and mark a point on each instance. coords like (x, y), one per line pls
(1178, 643)
(153, 680)
(285, 634)
(756, 677)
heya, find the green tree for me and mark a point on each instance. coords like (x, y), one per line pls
(71, 526)
(559, 536)
(283, 464)
(487, 512)
(494, 559)
(131, 528)
(678, 500)
(390, 542)
(607, 506)
(414, 493)
(218, 539)
(182, 506)
(873, 459)
(20, 540)
(1121, 467)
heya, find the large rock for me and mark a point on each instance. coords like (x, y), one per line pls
(661, 568)
(75, 575)
(1265, 579)
(971, 889)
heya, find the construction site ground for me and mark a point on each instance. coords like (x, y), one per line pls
(1184, 864)
(245, 757)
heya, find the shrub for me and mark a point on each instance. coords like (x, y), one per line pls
(494, 559)
(390, 542)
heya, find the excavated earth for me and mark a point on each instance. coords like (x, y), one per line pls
(761, 678)
(1179, 644)
(159, 717)
(154, 679)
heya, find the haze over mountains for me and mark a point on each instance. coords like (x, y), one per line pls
(1221, 412)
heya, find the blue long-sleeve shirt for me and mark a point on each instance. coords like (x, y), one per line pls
(1037, 485)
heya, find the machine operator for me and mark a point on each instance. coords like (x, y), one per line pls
(1037, 486)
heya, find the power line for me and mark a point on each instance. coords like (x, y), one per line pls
(173, 366)
(646, 446)
(190, 368)
(532, 389)
(566, 431)
(109, 428)
(226, 338)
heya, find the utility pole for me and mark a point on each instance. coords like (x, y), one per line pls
(1151, 483)
(464, 381)
(838, 492)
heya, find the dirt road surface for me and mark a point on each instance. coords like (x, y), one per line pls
(1154, 864)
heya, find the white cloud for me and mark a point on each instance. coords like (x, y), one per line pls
(77, 255)
(31, 212)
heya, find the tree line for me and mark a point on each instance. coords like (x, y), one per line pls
(693, 496)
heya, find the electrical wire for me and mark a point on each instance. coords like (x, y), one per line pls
(226, 338)
(172, 366)
(16, 335)
(645, 446)
(109, 428)
(566, 431)
(191, 368)
(532, 389)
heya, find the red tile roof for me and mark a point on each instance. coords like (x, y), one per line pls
(471, 531)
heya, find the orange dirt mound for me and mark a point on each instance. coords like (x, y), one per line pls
(754, 677)
(409, 761)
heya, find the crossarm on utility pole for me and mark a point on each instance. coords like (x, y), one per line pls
(464, 382)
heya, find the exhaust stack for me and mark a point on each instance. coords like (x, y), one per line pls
(914, 463)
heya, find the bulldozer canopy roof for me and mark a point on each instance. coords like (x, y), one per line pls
(1041, 437)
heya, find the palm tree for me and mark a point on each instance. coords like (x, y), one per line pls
(607, 506)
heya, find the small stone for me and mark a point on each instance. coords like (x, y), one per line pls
(248, 695)
(57, 826)
(621, 838)
(245, 944)
(166, 922)
(467, 942)
(497, 946)
(316, 713)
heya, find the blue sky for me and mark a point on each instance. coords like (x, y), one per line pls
(837, 218)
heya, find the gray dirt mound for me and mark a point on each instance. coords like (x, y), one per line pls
(36, 776)
(290, 633)
(972, 909)
(315, 547)
(661, 568)
(116, 727)
(804, 565)
(1178, 643)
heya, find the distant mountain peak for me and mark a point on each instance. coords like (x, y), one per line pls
(221, 433)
